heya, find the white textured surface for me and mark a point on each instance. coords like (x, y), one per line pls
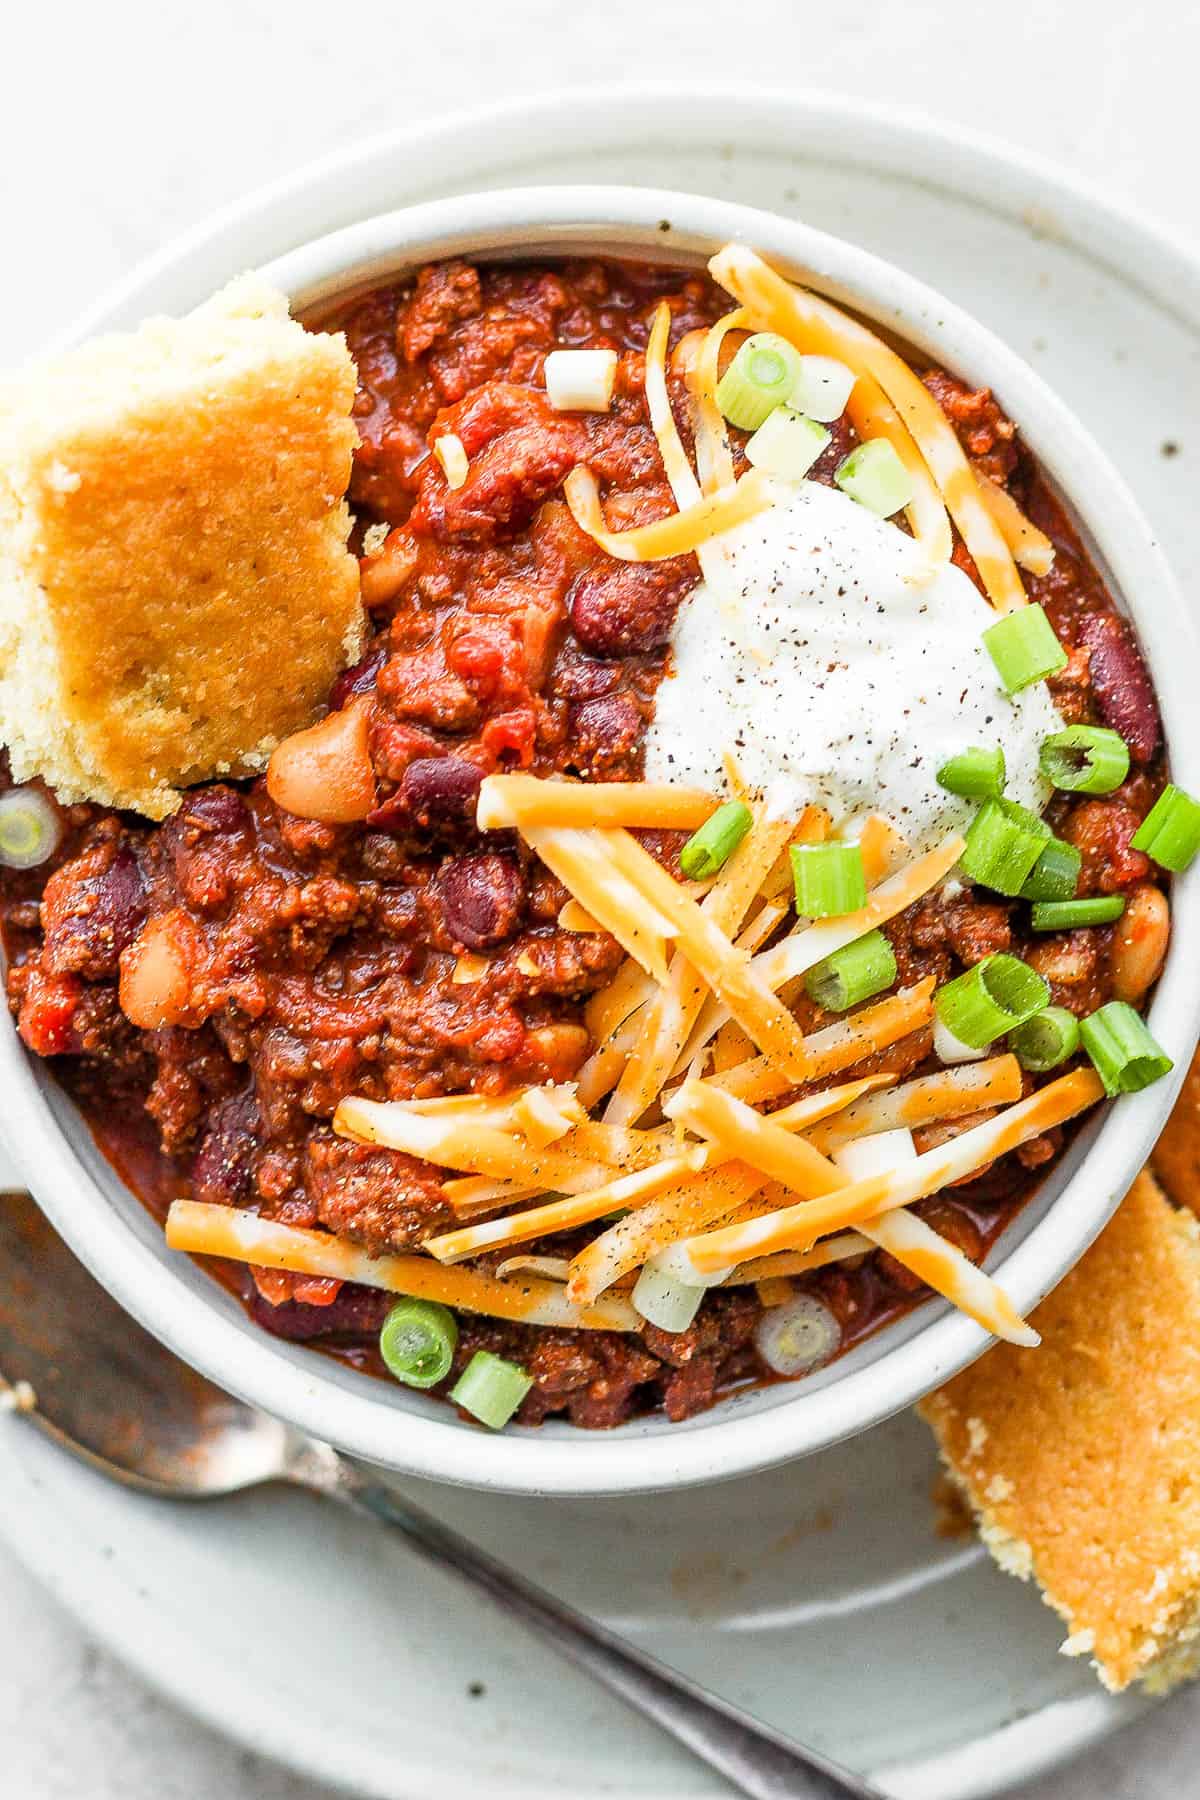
(123, 124)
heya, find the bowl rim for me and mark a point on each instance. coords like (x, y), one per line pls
(724, 1442)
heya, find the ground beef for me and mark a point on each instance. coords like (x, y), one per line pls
(378, 1198)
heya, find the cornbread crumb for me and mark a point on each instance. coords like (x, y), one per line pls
(1081, 1460)
(175, 590)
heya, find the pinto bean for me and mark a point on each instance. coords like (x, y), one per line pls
(325, 772)
(559, 1050)
(1121, 684)
(156, 973)
(1139, 944)
(481, 898)
(381, 577)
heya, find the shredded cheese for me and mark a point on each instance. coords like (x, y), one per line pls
(452, 455)
(583, 863)
(801, 316)
(797, 1227)
(676, 535)
(1031, 548)
(508, 801)
(800, 1262)
(836, 1047)
(950, 1094)
(684, 485)
(672, 1012)
(728, 972)
(239, 1236)
(738, 1131)
(563, 1215)
(721, 1190)
(580, 380)
(714, 459)
(943, 1267)
(479, 1149)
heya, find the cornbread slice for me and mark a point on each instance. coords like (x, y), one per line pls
(1081, 1460)
(175, 590)
(1175, 1158)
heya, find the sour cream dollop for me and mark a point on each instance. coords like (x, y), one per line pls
(839, 670)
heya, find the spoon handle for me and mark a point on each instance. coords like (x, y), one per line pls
(757, 1760)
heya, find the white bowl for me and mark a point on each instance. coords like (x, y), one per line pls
(407, 1432)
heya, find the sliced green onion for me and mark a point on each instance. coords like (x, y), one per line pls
(1055, 874)
(760, 378)
(417, 1342)
(708, 849)
(30, 828)
(996, 996)
(1046, 1040)
(853, 973)
(797, 1336)
(787, 444)
(1003, 844)
(976, 774)
(873, 475)
(1024, 648)
(1085, 759)
(949, 1049)
(1066, 915)
(665, 1302)
(491, 1389)
(1125, 1054)
(1170, 831)
(829, 879)
(822, 388)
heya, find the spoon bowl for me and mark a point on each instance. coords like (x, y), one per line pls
(108, 1390)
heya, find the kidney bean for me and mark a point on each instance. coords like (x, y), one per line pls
(842, 439)
(216, 808)
(604, 734)
(359, 678)
(481, 898)
(435, 791)
(621, 609)
(223, 1166)
(1121, 684)
(576, 677)
(356, 1312)
(92, 909)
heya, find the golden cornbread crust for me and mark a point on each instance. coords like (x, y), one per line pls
(1081, 1460)
(1175, 1158)
(175, 590)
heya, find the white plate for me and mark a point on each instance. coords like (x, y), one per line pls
(818, 1595)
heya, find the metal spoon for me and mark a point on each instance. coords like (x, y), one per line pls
(107, 1391)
